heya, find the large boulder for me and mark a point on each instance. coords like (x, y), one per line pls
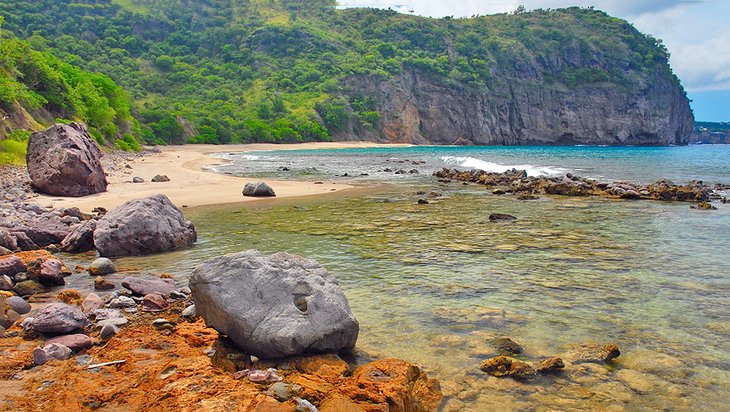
(65, 161)
(143, 226)
(274, 306)
(258, 189)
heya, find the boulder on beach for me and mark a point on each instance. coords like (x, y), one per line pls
(274, 306)
(143, 226)
(65, 161)
(259, 189)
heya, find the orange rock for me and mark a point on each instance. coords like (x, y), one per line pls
(70, 296)
(339, 403)
(329, 367)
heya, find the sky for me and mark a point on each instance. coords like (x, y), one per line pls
(696, 32)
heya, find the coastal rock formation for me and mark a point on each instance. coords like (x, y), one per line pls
(259, 189)
(65, 161)
(80, 239)
(143, 226)
(274, 306)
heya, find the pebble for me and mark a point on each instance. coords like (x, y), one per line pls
(162, 324)
(6, 283)
(108, 331)
(189, 312)
(92, 303)
(120, 321)
(102, 284)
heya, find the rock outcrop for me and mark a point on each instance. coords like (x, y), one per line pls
(259, 189)
(143, 226)
(65, 161)
(274, 306)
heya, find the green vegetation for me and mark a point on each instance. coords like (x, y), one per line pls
(224, 71)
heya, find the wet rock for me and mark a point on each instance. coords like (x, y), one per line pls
(285, 305)
(91, 303)
(259, 189)
(143, 226)
(501, 217)
(18, 304)
(703, 206)
(160, 179)
(506, 346)
(122, 302)
(76, 342)
(154, 302)
(28, 287)
(282, 392)
(101, 266)
(550, 365)
(142, 287)
(137, 179)
(11, 265)
(108, 331)
(59, 318)
(637, 381)
(503, 366)
(423, 201)
(80, 239)
(595, 353)
(102, 284)
(189, 312)
(5, 251)
(65, 161)
(8, 316)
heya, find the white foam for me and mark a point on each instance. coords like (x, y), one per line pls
(249, 157)
(473, 163)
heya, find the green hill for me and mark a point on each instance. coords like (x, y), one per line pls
(222, 71)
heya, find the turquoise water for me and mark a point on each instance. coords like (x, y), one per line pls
(434, 283)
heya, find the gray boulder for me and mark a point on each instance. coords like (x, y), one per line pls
(143, 226)
(59, 318)
(274, 306)
(259, 189)
(81, 238)
(65, 161)
(101, 266)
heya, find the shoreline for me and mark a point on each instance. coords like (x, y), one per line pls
(192, 184)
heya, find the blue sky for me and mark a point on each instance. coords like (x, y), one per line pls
(696, 32)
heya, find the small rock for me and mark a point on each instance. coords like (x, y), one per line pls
(118, 322)
(6, 283)
(76, 342)
(162, 324)
(258, 376)
(550, 365)
(502, 366)
(154, 302)
(422, 202)
(59, 318)
(27, 324)
(58, 351)
(18, 304)
(506, 346)
(28, 287)
(91, 303)
(259, 189)
(102, 266)
(189, 312)
(102, 284)
(144, 287)
(40, 357)
(304, 405)
(137, 179)
(596, 353)
(108, 331)
(498, 192)
(50, 273)
(11, 265)
(122, 302)
(282, 392)
(160, 179)
(501, 217)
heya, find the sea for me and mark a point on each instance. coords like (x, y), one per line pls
(435, 283)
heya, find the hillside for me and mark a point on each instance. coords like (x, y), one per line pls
(222, 71)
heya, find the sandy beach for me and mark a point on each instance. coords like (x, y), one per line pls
(190, 184)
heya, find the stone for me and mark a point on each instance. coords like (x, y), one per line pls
(5, 251)
(160, 179)
(189, 312)
(142, 287)
(595, 353)
(49, 273)
(162, 324)
(91, 303)
(137, 179)
(503, 366)
(101, 266)
(8, 315)
(304, 405)
(108, 331)
(102, 284)
(282, 392)
(76, 342)
(6, 283)
(58, 351)
(80, 239)
(8, 241)
(501, 217)
(154, 302)
(283, 304)
(259, 189)
(59, 318)
(423, 202)
(40, 357)
(506, 346)
(18, 304)
(143, 226)
(118, 322)
(550, 365)
(122, 302)
(65, 161)
(28, 287)
(11, 265)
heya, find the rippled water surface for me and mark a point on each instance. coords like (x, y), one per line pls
(434, 283)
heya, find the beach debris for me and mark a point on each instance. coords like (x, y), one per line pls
(160, 179)
(504, 366)
(258, 189)
(101, 266)
(258, 376)
(99, 365)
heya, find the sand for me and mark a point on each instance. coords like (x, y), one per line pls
(190, 184)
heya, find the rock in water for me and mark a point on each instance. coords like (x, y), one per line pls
(59, 318)
(506, 346)
(81, 238)
(65, 161)
(501, 366)
(274, 306)
(143, 226)
(101, 266)
(259, 189)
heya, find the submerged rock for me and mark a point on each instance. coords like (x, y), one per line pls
(503, 366)
(550, 365)
(143, 226)
(274, 306)
(595, 353)
(65, 161)
(259, 189)
(506, 346)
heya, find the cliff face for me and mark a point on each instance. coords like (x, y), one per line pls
(417, 108)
